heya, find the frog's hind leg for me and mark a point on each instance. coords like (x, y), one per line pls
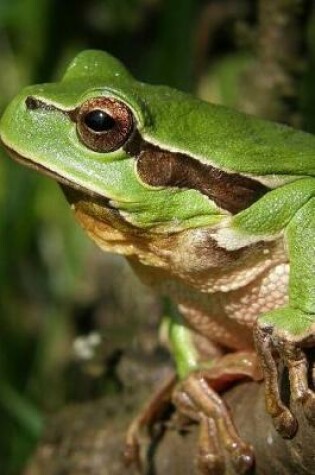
(151, 413)
(195, 398)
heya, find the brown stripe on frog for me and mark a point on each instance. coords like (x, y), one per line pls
(157, 167)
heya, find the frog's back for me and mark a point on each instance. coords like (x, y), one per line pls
(228, 139)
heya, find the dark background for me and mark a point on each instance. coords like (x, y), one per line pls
(55, 286)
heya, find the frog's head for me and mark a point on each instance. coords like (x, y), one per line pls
(97, 131)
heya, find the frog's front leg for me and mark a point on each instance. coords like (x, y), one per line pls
(275, 344)
(283, 335)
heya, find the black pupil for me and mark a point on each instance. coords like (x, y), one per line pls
(99, 121)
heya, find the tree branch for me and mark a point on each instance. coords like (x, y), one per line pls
(88, 439)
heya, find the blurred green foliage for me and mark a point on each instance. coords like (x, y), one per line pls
(43, 253)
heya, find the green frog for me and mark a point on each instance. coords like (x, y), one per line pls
(213, 208)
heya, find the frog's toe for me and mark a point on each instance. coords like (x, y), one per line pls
(210, 459)
(242, 458)
(285, 423)
(131, 454)
(298, 367)
(309, 407)
(210, 464)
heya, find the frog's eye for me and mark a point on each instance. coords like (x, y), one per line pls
(104, 124)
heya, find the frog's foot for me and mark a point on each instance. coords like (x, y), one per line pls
(150, 413)
(219, 444)
(283, 336)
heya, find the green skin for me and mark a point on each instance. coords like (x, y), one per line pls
(277, 156)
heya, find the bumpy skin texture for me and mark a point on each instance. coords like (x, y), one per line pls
(212, 207)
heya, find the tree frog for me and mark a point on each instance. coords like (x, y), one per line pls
(212, 207)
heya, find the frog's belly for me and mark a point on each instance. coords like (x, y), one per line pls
(258, 275)
(226, 318)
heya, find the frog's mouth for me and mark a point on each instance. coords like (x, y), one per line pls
(28, 162)
(83, 201)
